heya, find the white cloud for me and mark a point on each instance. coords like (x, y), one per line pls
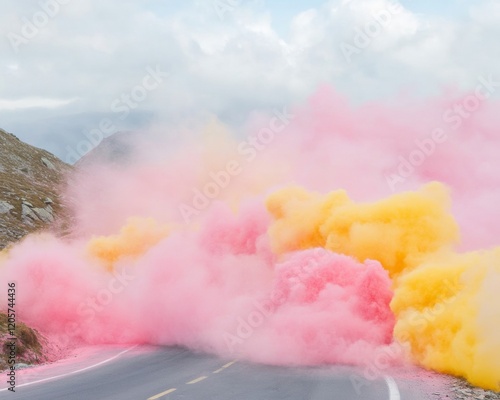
(487, 12)
(96, 51)
(32, 102)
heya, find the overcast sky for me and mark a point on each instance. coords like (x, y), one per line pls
(70, 66)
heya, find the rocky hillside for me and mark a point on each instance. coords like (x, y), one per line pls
(30, 179)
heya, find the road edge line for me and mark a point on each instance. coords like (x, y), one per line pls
(393, 388)
(75, 372)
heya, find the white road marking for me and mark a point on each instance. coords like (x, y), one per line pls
(224, 367)
(201, 378)
(75, 372)
(196, 380)
(393, 388)
(157, 396)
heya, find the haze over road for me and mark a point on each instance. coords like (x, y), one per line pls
(176, 373)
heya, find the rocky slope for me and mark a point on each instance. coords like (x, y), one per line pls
(30, 179)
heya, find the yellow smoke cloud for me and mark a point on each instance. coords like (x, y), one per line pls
(134, 239)
(397, 231)
(449, 314)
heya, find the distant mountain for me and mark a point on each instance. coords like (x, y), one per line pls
(115, 149)
(30, 183)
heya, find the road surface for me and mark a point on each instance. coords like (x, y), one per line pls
(169, 373)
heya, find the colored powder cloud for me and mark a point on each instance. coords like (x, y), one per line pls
(252, 247)
(447, 311)
(397, 231)
(439, 295)
(217, 289)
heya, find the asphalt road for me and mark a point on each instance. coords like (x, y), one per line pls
(177, 373)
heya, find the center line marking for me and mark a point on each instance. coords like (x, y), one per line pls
(157, 396)
(196, 380)
(224, 367)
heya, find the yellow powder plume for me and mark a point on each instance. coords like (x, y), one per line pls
(134, 239)
(397, 231)
(448, 310)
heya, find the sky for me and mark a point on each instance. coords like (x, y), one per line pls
(73, 70)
